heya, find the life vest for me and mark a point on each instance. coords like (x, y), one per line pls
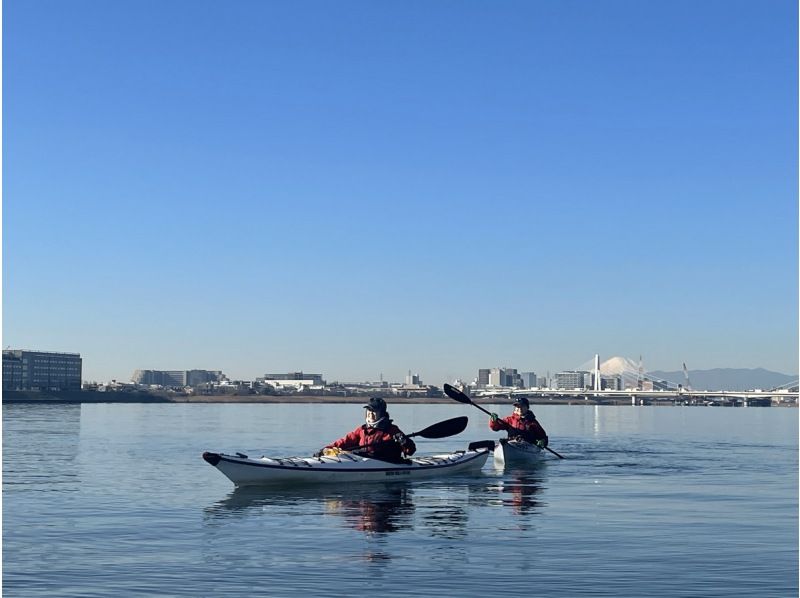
(377, 442)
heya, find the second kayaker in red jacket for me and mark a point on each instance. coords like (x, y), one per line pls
(378, 438)
(520, 424)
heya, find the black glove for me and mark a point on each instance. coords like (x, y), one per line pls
(400, 438)
(318, 453)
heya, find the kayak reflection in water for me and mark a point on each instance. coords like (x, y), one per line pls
(370, 509)
(376, 512)
(378, 438)
(521, 493)
(521, 424)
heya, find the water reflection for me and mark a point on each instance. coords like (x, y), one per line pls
(372, 509)
(437, 509)
(373, 512)
(519, 489)
(515, 490)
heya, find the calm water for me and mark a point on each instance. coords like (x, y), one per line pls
(103, 500)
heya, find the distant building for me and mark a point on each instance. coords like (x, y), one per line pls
(176, 378)
(655, 385)
(315, 379)
(158, 377)
(528, 379)
(611, 382)
(572, 379)
(41, 370)
(12, 371)
(412, 379)
(483, 378)
(198, 377)
(504, 377)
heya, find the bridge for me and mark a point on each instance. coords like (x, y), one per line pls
(643, 397)
(640, 387)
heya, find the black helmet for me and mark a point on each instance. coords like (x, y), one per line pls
(376, 405)
(522, 402)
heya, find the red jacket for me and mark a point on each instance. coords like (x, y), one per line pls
(377, 442)
(525, 427)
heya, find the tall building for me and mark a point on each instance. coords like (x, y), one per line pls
(483, 377)
(528, 379)
(41, 370)
(504, 377)
(494, 377)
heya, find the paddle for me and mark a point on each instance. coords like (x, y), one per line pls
(461, 397)
(449, 427)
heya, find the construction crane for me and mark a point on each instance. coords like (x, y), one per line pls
(686, 377)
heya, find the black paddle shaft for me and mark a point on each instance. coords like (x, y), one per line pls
(457, 395)
(461, 397)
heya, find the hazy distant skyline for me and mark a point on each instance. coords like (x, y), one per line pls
(362, 188)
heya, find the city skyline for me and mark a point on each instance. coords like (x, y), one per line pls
(616, 366)
(361, 188)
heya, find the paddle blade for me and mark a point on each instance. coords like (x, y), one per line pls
(456, 395)
(449, 427)
(481, 444)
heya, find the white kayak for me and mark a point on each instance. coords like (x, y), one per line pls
(509, 452)
(342, 467)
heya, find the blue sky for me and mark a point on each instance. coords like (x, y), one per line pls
(361, 188)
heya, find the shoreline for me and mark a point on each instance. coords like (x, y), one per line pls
(31, 397)
(79, 397)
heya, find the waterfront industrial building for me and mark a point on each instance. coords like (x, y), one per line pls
(41, 370)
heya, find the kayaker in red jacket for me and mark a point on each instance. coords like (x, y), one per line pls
(378, 438)
(520, 424)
